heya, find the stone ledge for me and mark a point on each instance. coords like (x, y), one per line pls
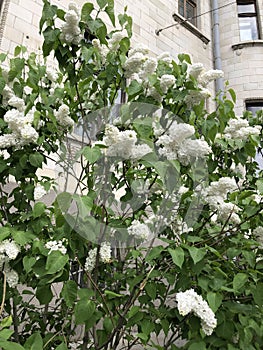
(188, 25)
(249, 43)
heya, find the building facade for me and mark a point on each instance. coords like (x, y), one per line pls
(218, 33)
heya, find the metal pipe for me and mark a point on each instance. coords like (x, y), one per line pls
(216, 44)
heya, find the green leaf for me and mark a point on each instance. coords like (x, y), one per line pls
(86, 11)
(34, 342)
(214, 300)
(2, 84)
(91, 154)
(102, 3)
(110, 11)
(197, 254)
(233, 95)
(154, 253)
(6, 333)
(36, 159)
(39, 209)
(44, 294)
(6, 322)
(134, 89)
(62, 346)
(197, 346)
(239, 281)
(69, 293)
(113, 294)
(64, 201)
(259, 184)
(4, 232)
(151, 290)
(22, 237)
(258, 294)
(8, 345)
(56, 262)
(177, 255)
(84, 310)
(28, 262)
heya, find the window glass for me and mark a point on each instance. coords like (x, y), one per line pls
(248, 28)
(248, 21)
(246, 8)
(187, 9)
(254, 107)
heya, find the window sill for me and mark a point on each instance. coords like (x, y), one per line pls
(185, 23)
(249, 43)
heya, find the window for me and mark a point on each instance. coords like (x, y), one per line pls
(248, 21)
(254, 107)
(187, 9)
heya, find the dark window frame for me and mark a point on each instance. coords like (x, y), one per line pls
(182, 4)
(249, 15)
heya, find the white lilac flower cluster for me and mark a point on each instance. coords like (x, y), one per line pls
(239, 129)
(63, 118)
(70, 31)
(167, 81)
(114, 41)
(20, 125)
(190, 301)
(123, 143)
(9, 250)
(139, 230)
(216, 194)
(207, 77)
(176, 144)
(103, 50)
(104, 255)
(57, 246)
(203, 78)
(39, 192)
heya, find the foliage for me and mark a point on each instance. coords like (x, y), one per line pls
(88, 279)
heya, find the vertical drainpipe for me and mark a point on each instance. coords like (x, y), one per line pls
(216, 44)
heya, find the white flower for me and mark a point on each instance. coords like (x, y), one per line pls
(239, 129)
(138, 48)
(138, 151)
(134, 64)
(17, 102)
(190, 301)
(56, 245)
(193, 149)
(175, 144)
(114, 42)
(167, 81)
(70, 31)
(52, 75)
(165, 57)
(28, 133)
(11, 278)
(150, 65)
(206, 77)
(63, 117)
(139, 230)
(105, 252)
(7, 140)
(102, 49)
(91, 260)
(10, 249)
(195, 69)
(39, 192)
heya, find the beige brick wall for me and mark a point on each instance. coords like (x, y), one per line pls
(21, 27)
(243, 67)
